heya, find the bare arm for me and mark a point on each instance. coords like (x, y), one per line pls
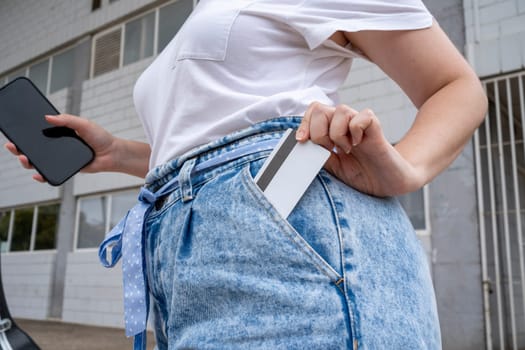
(440, 83)
(111, 153)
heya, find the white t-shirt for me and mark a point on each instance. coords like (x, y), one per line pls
(238, 62)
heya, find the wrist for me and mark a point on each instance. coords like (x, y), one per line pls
(130, 157)
(416, 173)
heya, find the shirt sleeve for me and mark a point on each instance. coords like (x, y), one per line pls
(317, 20)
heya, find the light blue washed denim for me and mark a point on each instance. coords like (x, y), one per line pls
(344, 271)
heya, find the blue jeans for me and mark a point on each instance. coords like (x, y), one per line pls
(344, 271)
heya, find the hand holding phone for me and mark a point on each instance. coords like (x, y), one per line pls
(57, 153)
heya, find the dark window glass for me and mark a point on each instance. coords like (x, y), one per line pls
(95, 4)
(46, 229)
(5, 217)
(38, 75)
(62, 72)
(171, 18)
(414, 205)
(18, 73)
(120, 204)
(138, 43)
(92, 222)
(22, 229)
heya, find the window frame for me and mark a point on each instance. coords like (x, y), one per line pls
(107, 217)
(122, 28)
(426, 213)
(426, 202)
(34, 221)
(49, 70)
(5, 76)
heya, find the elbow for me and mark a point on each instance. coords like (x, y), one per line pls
(482, 103)
(477, 99)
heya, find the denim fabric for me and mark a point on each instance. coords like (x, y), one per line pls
(344, 271)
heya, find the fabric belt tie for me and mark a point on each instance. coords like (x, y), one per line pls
(127, 240)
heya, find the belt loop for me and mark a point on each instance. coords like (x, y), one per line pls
(186, 191)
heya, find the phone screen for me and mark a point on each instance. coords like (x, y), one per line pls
(56, 152)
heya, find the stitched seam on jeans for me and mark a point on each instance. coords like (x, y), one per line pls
(350, 305)
(353, 329)
(338, 226)
(288, 229)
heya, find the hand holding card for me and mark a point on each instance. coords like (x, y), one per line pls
(289, 170)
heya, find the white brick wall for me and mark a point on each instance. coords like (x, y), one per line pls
(108, 101)
(27, 283)
(495, 35)
(41, 26)
(368, 87)
(93, 294)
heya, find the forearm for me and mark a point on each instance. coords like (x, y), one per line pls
(443, 126)
(131, 157)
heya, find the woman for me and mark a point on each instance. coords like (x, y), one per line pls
(345, 269)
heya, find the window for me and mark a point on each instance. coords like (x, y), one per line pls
(5, 223)
(139, 37)
(171, 19)
(416, 208)
(96, 215)
(18, 73)
(91, 222)
(39, 74)
(21, 239)
(95, 4)
(136, 39)
(50, 75)
(29, 228)
(46, 227)
(63, 69)
(120, 204)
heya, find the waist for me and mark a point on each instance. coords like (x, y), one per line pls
(222, 148)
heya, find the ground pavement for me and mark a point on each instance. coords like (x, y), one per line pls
(53, 335)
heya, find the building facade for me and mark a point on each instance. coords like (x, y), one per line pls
(86, 55)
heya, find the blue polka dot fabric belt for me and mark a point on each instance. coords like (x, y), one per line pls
(127, 239)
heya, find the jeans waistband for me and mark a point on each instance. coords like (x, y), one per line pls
(266, 130)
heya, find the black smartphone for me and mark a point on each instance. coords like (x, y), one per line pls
(57, 153)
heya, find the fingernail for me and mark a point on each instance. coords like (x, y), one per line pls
(299, 135)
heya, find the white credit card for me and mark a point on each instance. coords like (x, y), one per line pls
(289, 170)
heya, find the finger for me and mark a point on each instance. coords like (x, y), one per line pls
(73, 122)
(364, 123)
(303, 131)
(339, 131)
(320, 125)
(12, 148)
(25, 162)
(39, 178)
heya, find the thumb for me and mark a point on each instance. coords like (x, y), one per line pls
(73, 122)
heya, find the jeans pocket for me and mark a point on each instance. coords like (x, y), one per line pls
(312, 225)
